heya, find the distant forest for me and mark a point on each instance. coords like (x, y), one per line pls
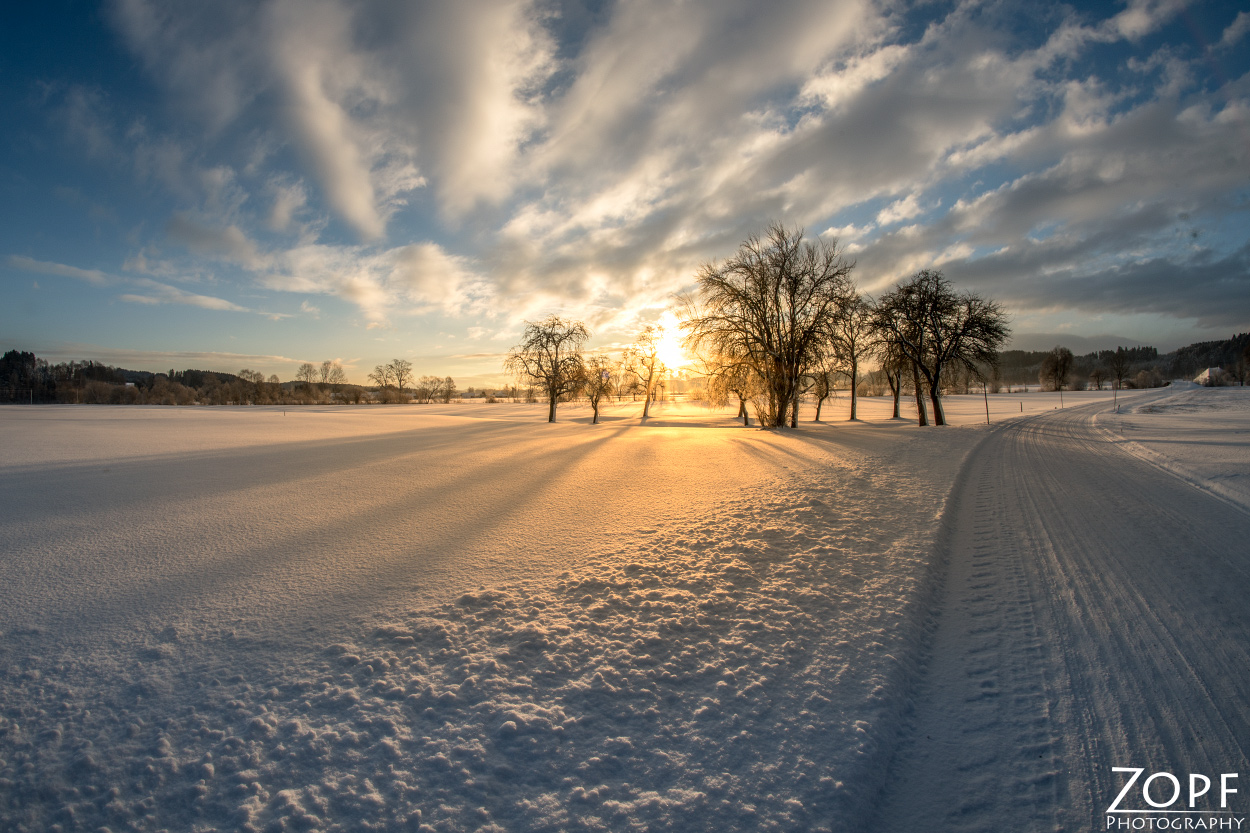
(1147, 368)
(24, 377)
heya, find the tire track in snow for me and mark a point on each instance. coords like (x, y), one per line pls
(1092, 616)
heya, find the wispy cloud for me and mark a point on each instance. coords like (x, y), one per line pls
(91, 276)
(159, 293)
(158, 359)
(153, 292)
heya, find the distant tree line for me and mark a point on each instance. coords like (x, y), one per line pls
(24, 377)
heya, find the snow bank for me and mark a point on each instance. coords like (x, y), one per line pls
(689, 628)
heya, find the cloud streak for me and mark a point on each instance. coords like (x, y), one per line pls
(153, 292)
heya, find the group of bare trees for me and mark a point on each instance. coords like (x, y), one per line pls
(329, 373)
(1059, 364)
(397, 373)
(429, 389)
(778, 320)
(926, 324)
(782, 318)
(550, 358)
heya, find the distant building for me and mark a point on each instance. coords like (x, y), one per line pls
(1206, 376)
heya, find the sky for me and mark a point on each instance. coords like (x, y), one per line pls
(253, 185)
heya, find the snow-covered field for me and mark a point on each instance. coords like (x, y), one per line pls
(463, 618)
(1202, 435)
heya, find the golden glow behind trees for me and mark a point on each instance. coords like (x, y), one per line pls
(770, 308)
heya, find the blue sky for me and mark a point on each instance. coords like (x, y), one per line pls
(227, 185)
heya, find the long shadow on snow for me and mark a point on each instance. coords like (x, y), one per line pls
(388, 573)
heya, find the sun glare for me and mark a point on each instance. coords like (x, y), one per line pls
(671, 351)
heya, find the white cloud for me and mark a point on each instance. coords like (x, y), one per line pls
(426, 275)
(1143, 17)
(323, 80)
(159, 293)
(91, 276)
(161, 360)
(903, 209)
(1235, 31)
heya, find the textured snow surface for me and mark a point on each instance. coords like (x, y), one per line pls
(456, 619)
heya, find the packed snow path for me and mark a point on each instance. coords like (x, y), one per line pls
(1094, 615)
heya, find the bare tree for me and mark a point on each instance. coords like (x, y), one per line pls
(854, 338)
(1097, 375)
(917, 388)
(550, 356)
(1056, 368)
(770, 307)
(400, 373)
(893, 365)
(253, 382)
(447, 391)
(427, 388)
(381, 375)
(331, 373)
(598, 382)
(822, 386)
(307, 374)
(727, 378)
(1118, 363)
(642, 359)
(937, 329)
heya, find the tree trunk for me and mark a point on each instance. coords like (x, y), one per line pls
(646, 406)
(742, 412)
(551, 410)
(854, 384)
(939, 418)
(595, 421)
(935, 396)
(895, 384)
(794, 410)
(921, 417)
(819, 401)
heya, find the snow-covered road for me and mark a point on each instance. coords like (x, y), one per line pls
(1094, 615)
